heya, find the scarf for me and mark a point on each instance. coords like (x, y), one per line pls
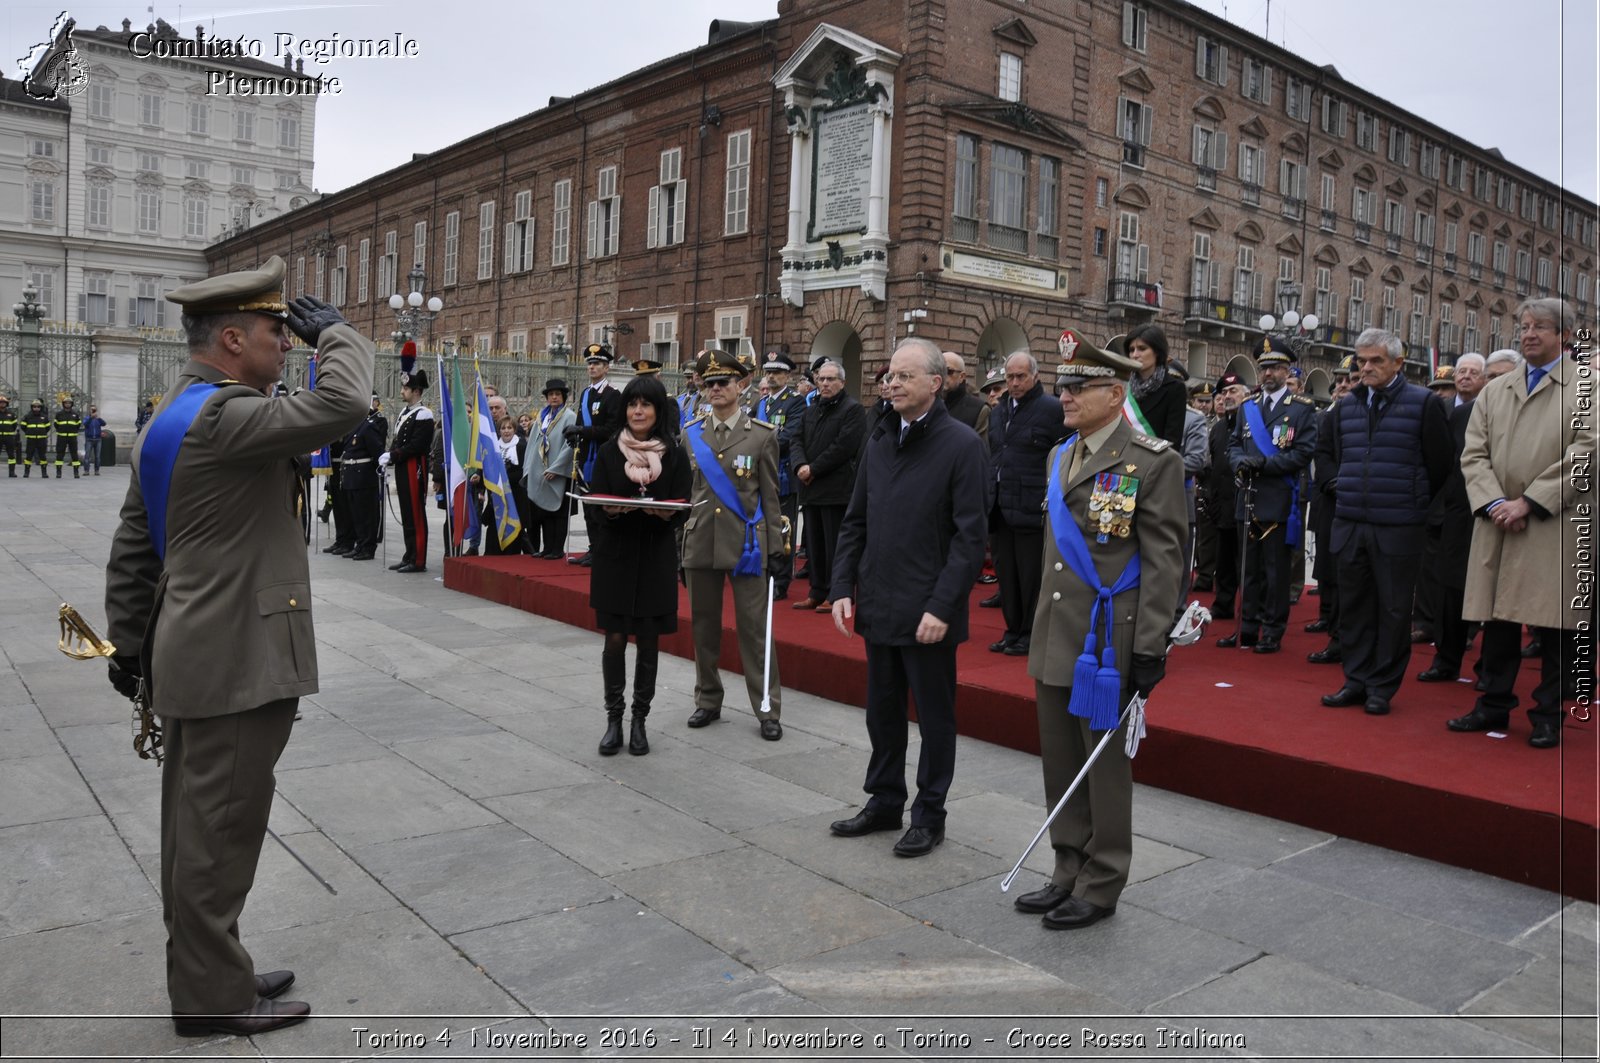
(1143, 388)
(643, 457)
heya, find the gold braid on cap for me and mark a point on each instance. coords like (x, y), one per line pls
(278, 307)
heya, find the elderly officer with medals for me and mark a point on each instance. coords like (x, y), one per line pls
(734, 534)
(209, 565)
(599, 415)
(1116, 518)
(1274, 438)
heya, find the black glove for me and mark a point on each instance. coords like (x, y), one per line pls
(308, 316)
(777, 563)
(572, 435)
(1144, 672)
(1252, 464)
(124, 672)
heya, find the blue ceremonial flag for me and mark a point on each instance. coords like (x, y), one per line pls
(321, 461)
(464, 526)
(486, 453)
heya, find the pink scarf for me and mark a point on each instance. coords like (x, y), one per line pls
(643, 457)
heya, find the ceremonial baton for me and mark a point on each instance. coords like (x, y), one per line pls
(766, 663)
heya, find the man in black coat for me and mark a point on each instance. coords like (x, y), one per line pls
(1450, 525)
(823, 456)
(358, 479)
(599, 413)
(1324, 471)
(782, 408)
(909, 558)
(1025, 426)
(964, 405)
(1221, 496)
(1393, 451)
(1273, 439)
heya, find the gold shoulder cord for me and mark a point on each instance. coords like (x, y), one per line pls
(79, 641)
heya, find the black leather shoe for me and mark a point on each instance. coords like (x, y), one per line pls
(1545, 736)
(334, 548)
(411, 568)
(988, 578)
(1076, 912)
(990, 603)
(1317, 627)
(396, 566)
(261, 1017)
(1476, 720)
(1019, 647)
(1040, 901)
(1531, 650)
(363, 556)
(1437, 675)
(1266, 646)
(771, 730)
(1344, 696)
(274, 983)
(1377, 706)
(1326, 655)
(865, 822)
(1222, 610)
(780, 593)
(701, 717)
(1000, 647)
(1244, 639)
(919, 841)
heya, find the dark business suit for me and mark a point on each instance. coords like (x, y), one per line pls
(1268, 555)
(1450, 527)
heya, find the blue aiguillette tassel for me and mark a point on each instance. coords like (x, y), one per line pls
(1083, 671)
(1103, 710)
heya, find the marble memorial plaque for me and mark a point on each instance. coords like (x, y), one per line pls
(842, 171)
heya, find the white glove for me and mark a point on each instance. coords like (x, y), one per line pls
(383, 460)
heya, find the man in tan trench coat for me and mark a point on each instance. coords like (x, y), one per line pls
(208, 599)
(1528, 465)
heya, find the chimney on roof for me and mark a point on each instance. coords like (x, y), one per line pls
(299, 66)
(723, 28)
(199, 34)
(288, 60)
(555, 100)
(127, 25)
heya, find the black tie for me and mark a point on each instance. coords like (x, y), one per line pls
(905, 430)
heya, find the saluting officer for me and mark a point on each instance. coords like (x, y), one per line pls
(1272, 445)
(413, 439)
(733, 534)
(36, 435)
(358, 479)
(599, 416)
(10, 440)
(782, 408)
(1115, 520)
(69, 422)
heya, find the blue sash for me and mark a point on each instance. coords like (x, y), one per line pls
(722, 486)
(1263, 441)
(163, 436)
(783, 466)
(1096, 684)
(587, 418)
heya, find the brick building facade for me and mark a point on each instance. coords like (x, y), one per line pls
(982, 173)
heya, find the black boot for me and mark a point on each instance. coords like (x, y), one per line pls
(614, 674)
(644, 689)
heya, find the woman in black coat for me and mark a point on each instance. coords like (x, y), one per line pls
(633, 585)
(1161, 395)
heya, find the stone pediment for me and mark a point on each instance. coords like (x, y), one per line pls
(1453, 210)
(1423, 284)
(1254, 128)
(1206, 220)
(1502, 230)
(1021, 119)
(833, 64)
(1392, 275)
(1361, 267)
(1365, 174)
(1131, 195)
(1290, 244)
(100, 173)
(1327, 255)
(1210, 107)
(1397, 187)
(1450, 292)
(1017, 32)
(1475, 301)
(1331, 160)
(1249, 232)
(1136, 79)
(1547, 248)
(1478, 220)
(1293, 144)
(1497, 307)
(1425, 198)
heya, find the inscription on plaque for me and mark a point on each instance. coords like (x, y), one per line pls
(841, 171)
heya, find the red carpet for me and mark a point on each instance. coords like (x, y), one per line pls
(1264, 744)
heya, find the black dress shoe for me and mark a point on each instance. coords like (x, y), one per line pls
(396, 566)
(1531, 650)
(1076, 912)
(412, 568)
(988, 578)
(260, 1017)
(990, 603)
(1019, 647)
(362, 556)
(771, 730)
(1000, 647)
(1244, 639)
(1377, 706)
(273, 983)
(780, 594)
(1437, 675)
(1317, 627)
(1040, 901)
(582, 559)
(334, 548)
(866, 821)
(1266, 646)
(1476, 720)
(701, 717)
(1345, 695)
(1326, 655)
(1545, 736)
(919, 841)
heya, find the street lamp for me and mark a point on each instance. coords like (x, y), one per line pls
(29, 313)
(408, 312)
(558, 349)
(1288, 307)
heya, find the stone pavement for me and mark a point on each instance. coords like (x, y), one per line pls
(487, 873)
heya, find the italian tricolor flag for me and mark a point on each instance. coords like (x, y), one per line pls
(1134, 415)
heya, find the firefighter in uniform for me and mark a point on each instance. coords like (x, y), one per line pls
(10, 441)
(69, 422)
(413, 439)
(782, 407)
(36, 433)
(733, 536)
(358, 479)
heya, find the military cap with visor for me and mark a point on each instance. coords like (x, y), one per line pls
(719, 365)
(1082, 360)
(252, 291)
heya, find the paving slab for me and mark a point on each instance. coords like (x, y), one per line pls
(723, 793)
(492, 764)
(67, 871)
(23, 731)
(41, 788)
(1226, 833)
(1549, 1004)
(368, 801)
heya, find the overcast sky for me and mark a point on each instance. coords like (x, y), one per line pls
(1493, 77)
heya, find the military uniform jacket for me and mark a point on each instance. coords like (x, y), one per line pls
(358, 470)
(714, 537)
(1158, 525)
(1293, 426)
(784, 412)
(413, 435)
(605, 417)
(234, 593)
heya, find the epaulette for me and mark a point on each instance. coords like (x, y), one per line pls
(763, 424)
(696, 421)
(1301, 398)
(1155, 443)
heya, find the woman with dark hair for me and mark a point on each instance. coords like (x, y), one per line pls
(633, 586)
(1161, 395)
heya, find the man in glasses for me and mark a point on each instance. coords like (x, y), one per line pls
(1116, 519)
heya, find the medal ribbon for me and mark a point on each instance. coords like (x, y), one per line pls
(722, 486)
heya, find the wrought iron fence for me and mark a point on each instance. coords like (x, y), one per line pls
(65, 366)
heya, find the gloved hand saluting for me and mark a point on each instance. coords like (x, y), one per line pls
(308, 316)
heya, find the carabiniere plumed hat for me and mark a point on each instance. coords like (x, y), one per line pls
(1081, 359)
(258, 291)
(719, 365)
